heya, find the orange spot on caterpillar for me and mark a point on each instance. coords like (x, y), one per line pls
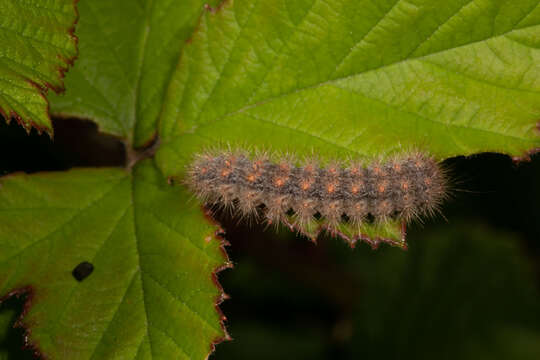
(381, 188)
(279, 182)
(384, 208)
(359, 206)
(284, 166)
(377, 170)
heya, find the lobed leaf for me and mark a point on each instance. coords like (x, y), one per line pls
(151, 295)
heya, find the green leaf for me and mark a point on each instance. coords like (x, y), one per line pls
(128, 50)
(37, 47)
(356, 78)
(151, 294)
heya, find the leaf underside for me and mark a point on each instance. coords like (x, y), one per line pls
(38, 46)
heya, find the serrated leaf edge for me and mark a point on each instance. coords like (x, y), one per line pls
(28, 124)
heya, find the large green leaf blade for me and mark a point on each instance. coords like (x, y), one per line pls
(151, 295)
(120, 77)
(37, 48)
(358, 78)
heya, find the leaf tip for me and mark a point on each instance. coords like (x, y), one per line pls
(28, 124)
(526, 157)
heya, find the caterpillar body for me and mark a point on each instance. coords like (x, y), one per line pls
(403, 187)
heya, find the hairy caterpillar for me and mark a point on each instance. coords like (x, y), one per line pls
(404, 187)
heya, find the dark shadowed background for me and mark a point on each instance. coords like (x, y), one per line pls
(467, 288)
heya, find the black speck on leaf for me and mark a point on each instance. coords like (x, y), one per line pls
(82, 271)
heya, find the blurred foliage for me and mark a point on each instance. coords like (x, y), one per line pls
(461, 291)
